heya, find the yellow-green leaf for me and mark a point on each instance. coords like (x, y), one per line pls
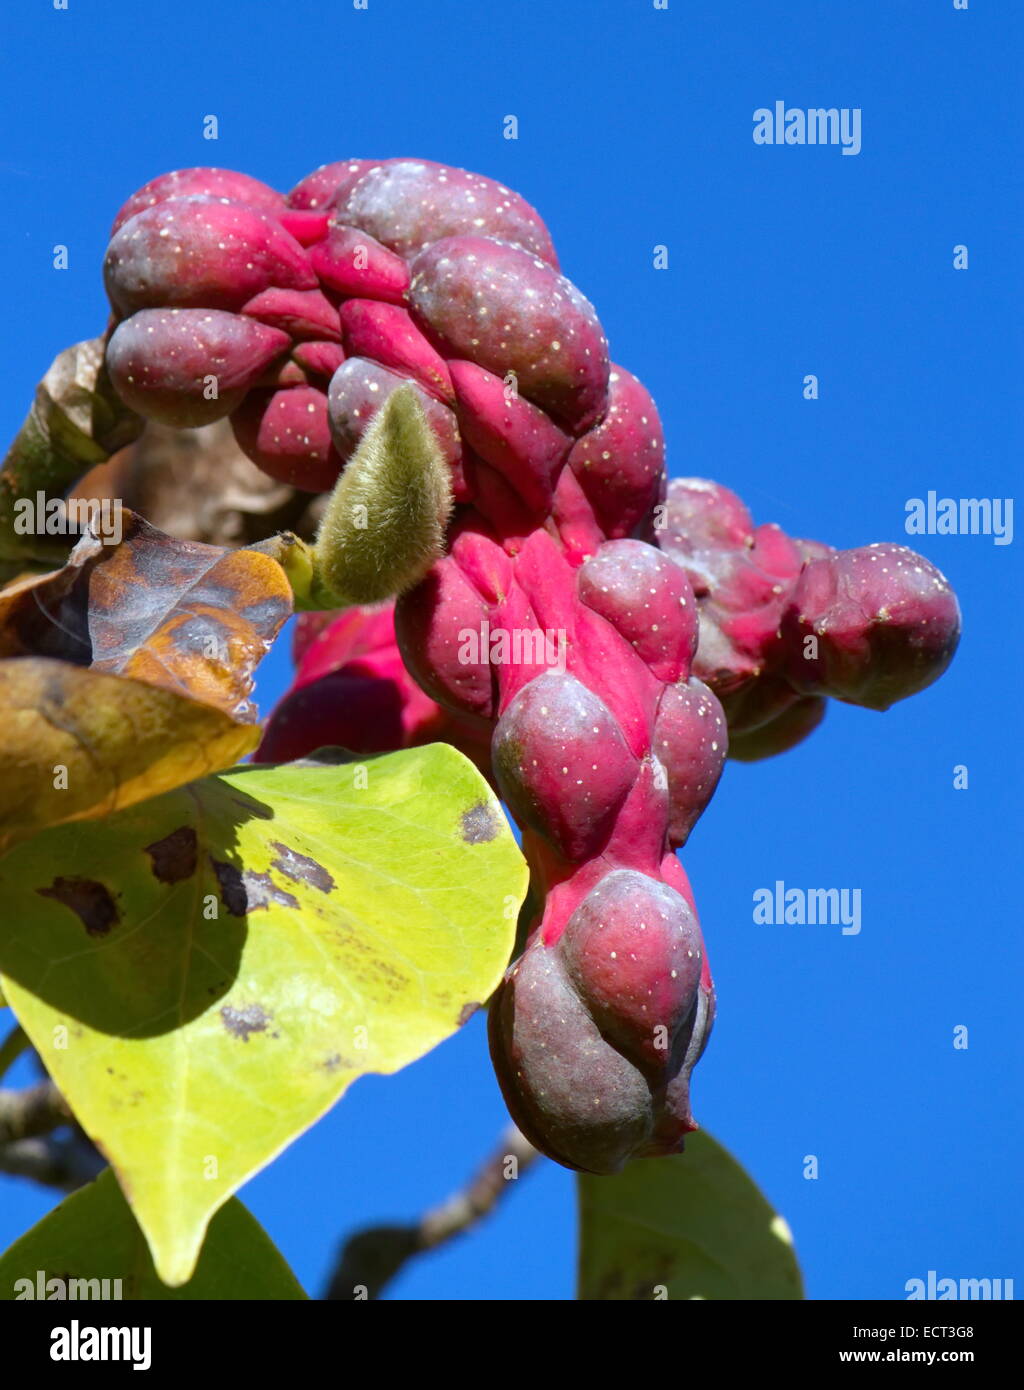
(204, 974)
(92, 1236)
(76, 743)
(690, 1226)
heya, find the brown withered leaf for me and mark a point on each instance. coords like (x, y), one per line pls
(77, 743)
(76, 421)
(183, 617)
(197, 484)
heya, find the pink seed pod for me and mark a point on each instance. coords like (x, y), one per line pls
(703, 516)
(201, 253)
(325, 642)
(690, 741)
(620, 463)
(306, 227)
(496, 305)
(352, 691)
(514, 437)
(287, 434)
(408, 204)
(791, 726)
(562, 764)
(386, 334)
(200, 182)
(442, 626)
(321, 188)
(351, 263)
(318, 360)
(189, 367)
(300, 313)
(870, 626)
(570, 1092)
(358, 390)
(345, 709)
(648, 600)
(633, 949)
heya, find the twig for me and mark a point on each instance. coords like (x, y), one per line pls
(15, 1043)
(371, 1258)
(55, 1161)
(35, 1110)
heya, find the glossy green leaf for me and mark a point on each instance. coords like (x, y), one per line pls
(206, 972)
(690, 1226)
(93, 1236)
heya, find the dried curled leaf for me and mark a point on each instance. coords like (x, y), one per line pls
(190, 618)
(198, 485)
(127, 673)
(75, 422)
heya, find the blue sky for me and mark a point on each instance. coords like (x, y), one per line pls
(635, 130)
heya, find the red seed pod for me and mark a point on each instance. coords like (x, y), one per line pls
(571, 1093)
(201, 253)
(300, 313)
(200, 182)
(357, 391)
(562, 763)
(320, 360)
(496, 305)
(442, 627)
(512, 436)
(648, 600)
(620, 463)
(189, 367)
(385, 333)
(870, 626)
(690, 741)
(409, 203)
(791, 726)
(286, 433)
(634, 951)
(351, 263)
(323, 186)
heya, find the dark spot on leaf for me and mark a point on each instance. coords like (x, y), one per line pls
(232, 889)
(241, 1022)
(261, 891)
(301, 868)
(90, 900)
(174, 857)
(245, 892)
(332, 1063)
(479, 824)
(466, 1013)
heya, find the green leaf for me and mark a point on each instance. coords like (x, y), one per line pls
(206, 972)
(93, 1235)
(690, 1226)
